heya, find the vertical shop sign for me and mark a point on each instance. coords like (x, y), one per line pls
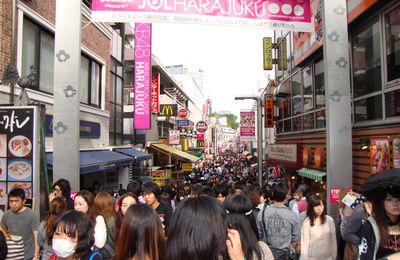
(155, 92)
(379, 155)
(267, 53)
(174, 136)
(396, 152)
(247, 126)
(142, 80)
(18, 152)
(282, 54)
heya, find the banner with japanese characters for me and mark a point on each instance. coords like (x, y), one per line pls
(247, 126)
(18, 157)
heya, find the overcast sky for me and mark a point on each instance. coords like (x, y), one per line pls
(231, 58)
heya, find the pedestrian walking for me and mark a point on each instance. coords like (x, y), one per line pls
(57, 208)
(22, 221)
(84, 202)
(278, 226)
(141, 235)
(124, 202)
(240, 217)
(72, 237)
(104, 205)
(62, 189)
(318, 232)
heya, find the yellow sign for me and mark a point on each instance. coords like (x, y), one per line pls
(267, 54)
(168, 110)
(158, 177)
(200, 143)
(282, 54)
(187, 167)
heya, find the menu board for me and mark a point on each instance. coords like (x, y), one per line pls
(17, 150)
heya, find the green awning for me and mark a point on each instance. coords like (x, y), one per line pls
(311, 174)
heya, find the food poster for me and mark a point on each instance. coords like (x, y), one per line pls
(396, 153)
(17, 151)
(379, 155)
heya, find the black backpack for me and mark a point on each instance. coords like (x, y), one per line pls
(108, 250)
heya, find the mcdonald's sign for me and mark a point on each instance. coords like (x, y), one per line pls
(168, 110)
(200, 143)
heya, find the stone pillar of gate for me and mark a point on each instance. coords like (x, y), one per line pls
(67, 59)
(337, 97)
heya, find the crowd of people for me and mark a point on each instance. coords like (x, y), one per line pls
(219, 212)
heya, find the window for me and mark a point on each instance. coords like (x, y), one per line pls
(319, 84)
(392, 26)
(296, 93)
(308, 88)
(368, 109)
(38, 52)
(392, 103)
(367, 59)
(116, 105)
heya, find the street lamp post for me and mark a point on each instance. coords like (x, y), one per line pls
(259, 133)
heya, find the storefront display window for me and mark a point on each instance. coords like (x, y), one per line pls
(392, 103)
(297, 123)
(392, 25)
(308, 121)
(367, 59)
(320, 115)
(368, 109)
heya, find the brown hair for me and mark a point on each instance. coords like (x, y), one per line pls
(342, 193)
(88, 197)
(141, 236)
(104, 205)
(57, 207)
(314, 200)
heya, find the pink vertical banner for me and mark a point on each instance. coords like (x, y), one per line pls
(142, 76)
(247, 125)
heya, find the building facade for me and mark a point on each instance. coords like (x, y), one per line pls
(299, 93)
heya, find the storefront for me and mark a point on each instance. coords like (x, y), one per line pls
(375, 91)
(178, 162)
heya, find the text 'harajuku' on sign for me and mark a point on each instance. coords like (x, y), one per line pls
(291, 15)
(142, 76)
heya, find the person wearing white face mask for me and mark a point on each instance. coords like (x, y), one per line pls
(72, 238)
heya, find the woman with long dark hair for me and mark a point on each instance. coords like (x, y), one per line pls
(72, 238)
(57, 207)
(318, 232)
(124, 202)
(240, 217)
(198, 231)
(141, 236)
(380, 235)
(84, 202)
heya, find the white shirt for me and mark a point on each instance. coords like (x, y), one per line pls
(100, 232)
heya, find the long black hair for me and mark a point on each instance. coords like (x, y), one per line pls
(197, 230)
(75, 224)
(314, 200)
(241, 218)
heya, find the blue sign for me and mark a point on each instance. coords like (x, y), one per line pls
(86, 129)
(182, 122)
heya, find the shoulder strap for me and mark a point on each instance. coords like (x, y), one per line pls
(376, 232)
(92, 255)
(263, 222)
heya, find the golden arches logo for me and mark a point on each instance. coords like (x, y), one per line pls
(168, 110)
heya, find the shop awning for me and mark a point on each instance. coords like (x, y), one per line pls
(311, 174)
(166, 149)
(95, 161)
(138, 155)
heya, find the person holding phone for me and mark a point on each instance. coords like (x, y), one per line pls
(62, 188)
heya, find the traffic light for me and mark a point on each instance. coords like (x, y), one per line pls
(269, 112)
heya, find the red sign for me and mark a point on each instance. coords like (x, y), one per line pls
(200, 136)
(201, 126)
(155, 89)
(334, 195)
(183, 113)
